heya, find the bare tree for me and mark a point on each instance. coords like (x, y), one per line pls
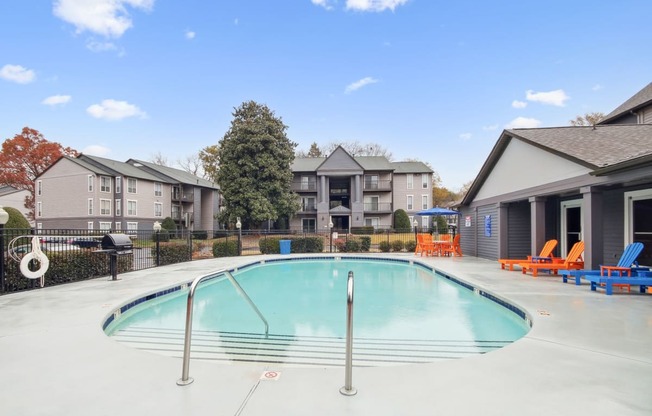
(159, 159)
(359, 149)
(588, 119)
(192, 164)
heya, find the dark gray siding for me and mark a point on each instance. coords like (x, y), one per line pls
(467, 234)
(487, 245)
(519, 230)
(553, 225)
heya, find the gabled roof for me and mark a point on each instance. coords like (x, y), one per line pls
(640, 99)
(603, 148)
(410, 167)
(8, 190)
(111, 167)
(306, 164)
(172, 175)
(373, 162)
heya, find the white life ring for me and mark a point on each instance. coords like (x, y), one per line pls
(38, 255)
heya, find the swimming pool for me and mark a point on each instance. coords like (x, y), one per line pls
(403, 313)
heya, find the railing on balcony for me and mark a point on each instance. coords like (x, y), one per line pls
(183, 196)
(304, 186)
(177, 216)
(384, 185)
(335, 204)
(378, 207)
(308, 208)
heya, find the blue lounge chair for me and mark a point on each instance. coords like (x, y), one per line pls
(626, 264)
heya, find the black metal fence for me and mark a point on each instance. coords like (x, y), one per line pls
(75, 254)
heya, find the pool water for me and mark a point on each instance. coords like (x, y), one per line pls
(306, 299)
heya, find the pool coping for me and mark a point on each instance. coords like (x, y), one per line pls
(586, 353)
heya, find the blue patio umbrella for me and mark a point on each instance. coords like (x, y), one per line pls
(437, 211)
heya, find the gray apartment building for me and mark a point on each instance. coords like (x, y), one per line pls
(354, 191)
(95, 193)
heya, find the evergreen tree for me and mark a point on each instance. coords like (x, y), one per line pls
(254, 175)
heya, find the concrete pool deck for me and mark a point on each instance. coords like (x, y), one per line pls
(587, 354)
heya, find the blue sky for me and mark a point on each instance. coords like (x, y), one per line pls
(426, 79)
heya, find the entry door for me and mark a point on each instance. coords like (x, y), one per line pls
(638, 222)
(571, 224)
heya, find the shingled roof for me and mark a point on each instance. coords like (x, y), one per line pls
(640, 99)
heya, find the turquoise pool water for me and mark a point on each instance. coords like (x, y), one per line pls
(307, 298)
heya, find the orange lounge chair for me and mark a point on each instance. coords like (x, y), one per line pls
(453, 248)
(572, 261)
(546, 251)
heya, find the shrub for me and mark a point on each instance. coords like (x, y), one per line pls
(410, 246)
(352, 245)
(384, 246)
(402, 221)
(163, 236)
(397, 245)
(225, 248)
(269, 245)
(200, 235)
(307, 245)
(362, 230)
(365, 243)
(172, 253)
(169, 224)
(16, 219)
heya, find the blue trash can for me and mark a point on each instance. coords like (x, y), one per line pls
(285, 246)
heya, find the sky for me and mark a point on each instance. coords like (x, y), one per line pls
(428, 80)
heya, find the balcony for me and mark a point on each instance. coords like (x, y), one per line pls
(376, 186)
(378, 207)
(308, 209)
(182, 196)
(304, 186)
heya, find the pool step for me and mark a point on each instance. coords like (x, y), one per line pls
(300, 350)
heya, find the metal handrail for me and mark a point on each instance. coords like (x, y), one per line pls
(348, 389)
(185, 379)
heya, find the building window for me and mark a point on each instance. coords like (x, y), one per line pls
(90, 225)
(410, 181)
(39, 225)
(105, 184)
(371, 203)
(308, 204)
(372, 222)
(371, 182)
(131, 185)
(105, 226)
(132, 227)
(424, 222)
(39, 209)
(638, 222)
(158, 209)
(424, 201)
(90, 183)
(118, 184)
(424, 181)
(90, 206)
(105, 207)
(308, 183)
(158, 189)
(410, 203)
(118, 226)
(132, 208)
(309, 225)
(118, 207)
(39, 188)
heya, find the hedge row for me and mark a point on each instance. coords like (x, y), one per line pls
(297, 245)
(172, 253)
(353, 245)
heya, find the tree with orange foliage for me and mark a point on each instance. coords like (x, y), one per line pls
(25, 157)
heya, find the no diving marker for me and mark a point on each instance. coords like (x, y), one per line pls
(271, 375)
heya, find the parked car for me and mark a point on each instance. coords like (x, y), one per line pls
(45, 247)
(85, 242)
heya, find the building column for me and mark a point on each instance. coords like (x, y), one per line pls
(358, 189)
(592, 227)
(537, 224)
(323, 192)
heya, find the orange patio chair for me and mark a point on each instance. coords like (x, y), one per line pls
(546, 252)
(424, 244)
(571, 262)
(453, 248)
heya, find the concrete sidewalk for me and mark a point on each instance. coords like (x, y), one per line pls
(587, 354)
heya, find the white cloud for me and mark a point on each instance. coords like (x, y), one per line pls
(359, 84)
(523, 123)
(519, 104)
(115, 110)
(373, 5)
(96, 150)
(108, 18)
(56, 100)
(556, 97)
(597, 87)
(236, 21)
(190, 34)
(17, 73)
(95, 46)
(465, 136)
(490, 127)
(326, 4)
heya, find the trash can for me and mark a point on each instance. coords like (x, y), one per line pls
(285, 246)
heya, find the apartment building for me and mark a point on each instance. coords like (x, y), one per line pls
(102, 194)
(355, 191)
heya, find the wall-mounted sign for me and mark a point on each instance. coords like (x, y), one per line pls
(487, 225)
(467, 221)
